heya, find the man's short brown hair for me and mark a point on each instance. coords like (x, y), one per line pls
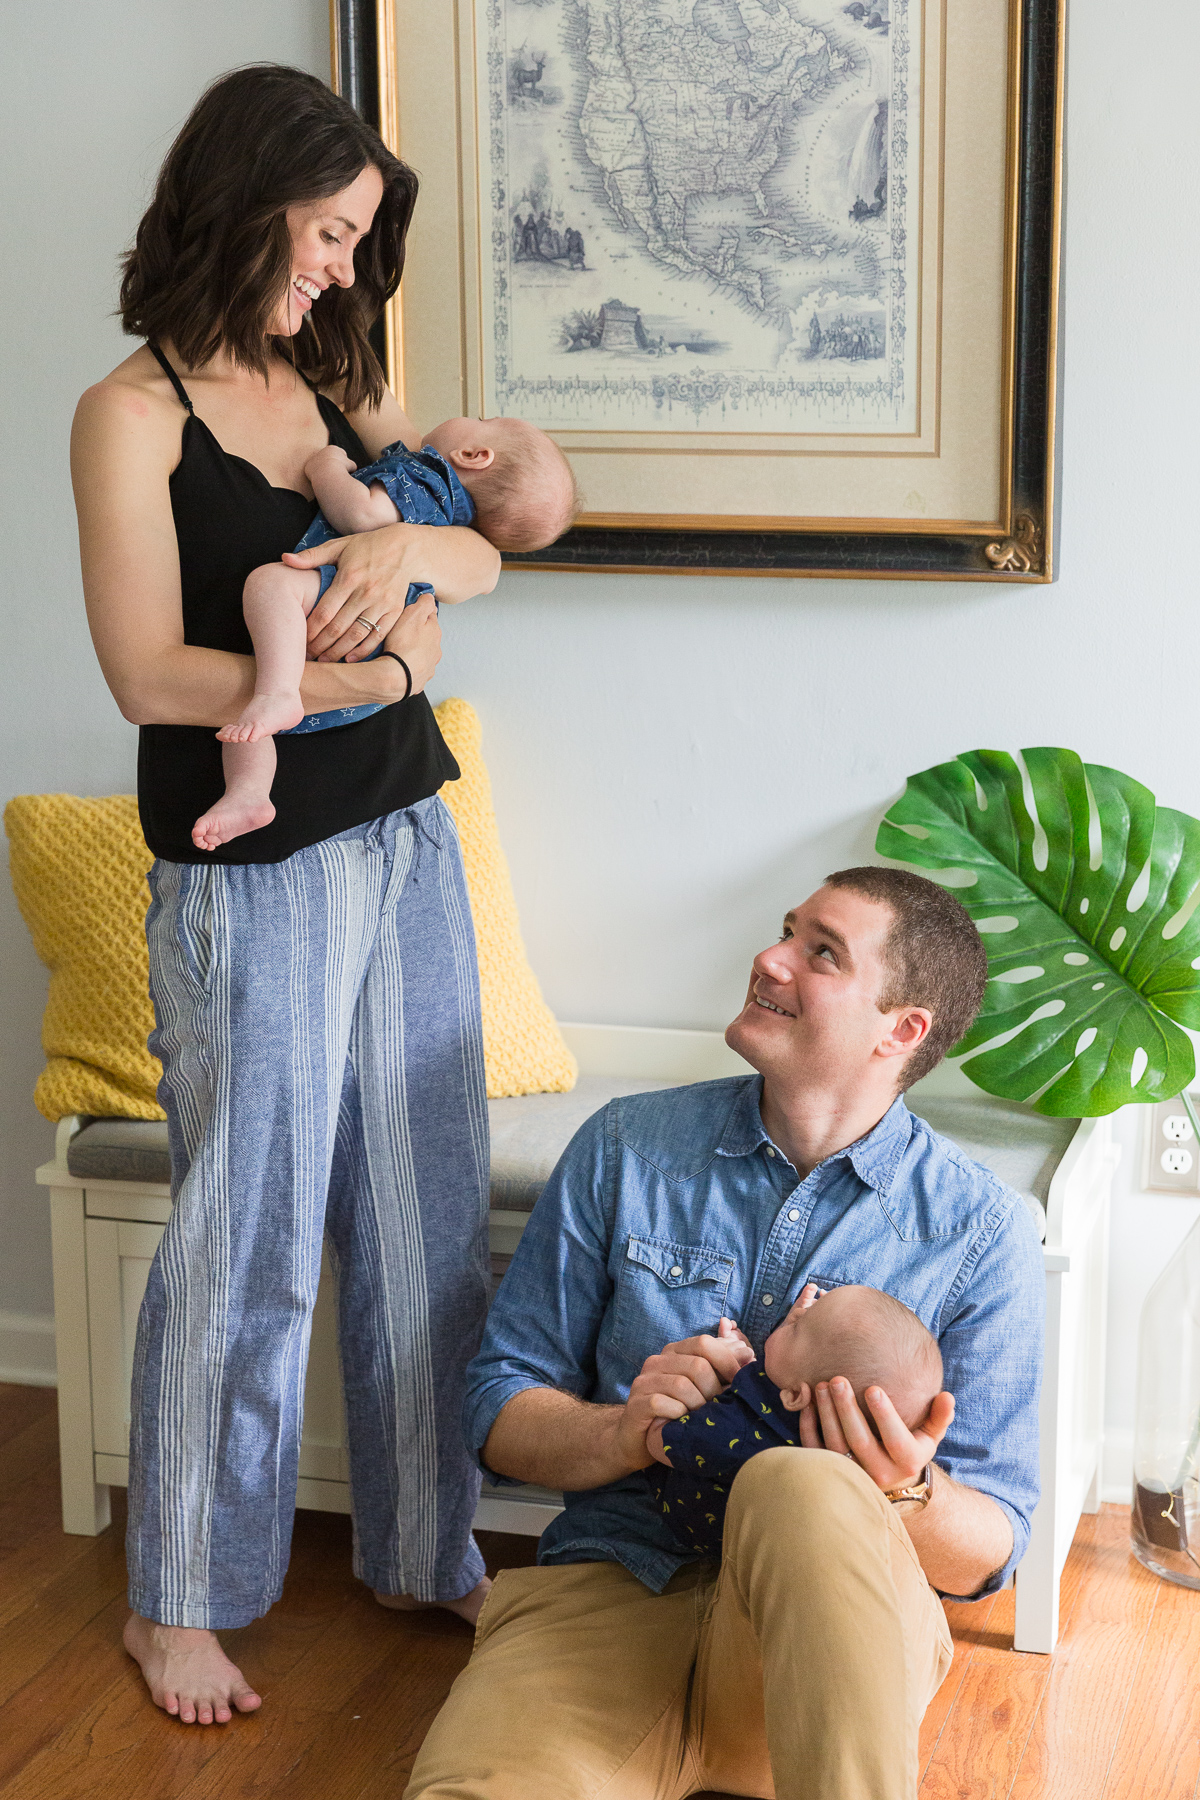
(933, 956)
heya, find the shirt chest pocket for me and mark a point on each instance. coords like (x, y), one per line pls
(667, 1291)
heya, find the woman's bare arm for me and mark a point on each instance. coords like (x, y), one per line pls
(379, 426)
(124, 445)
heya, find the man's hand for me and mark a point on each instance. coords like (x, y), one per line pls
(655, 1445)
(682, 1376)
(836, 1422)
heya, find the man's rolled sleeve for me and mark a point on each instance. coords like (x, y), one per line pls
(544, 1324)
(992, 1352)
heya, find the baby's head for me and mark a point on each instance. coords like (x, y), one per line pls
(867, 1337)
(521, 483)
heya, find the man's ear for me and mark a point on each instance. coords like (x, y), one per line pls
(796, 1399)
(473, 460)
(911, 1025)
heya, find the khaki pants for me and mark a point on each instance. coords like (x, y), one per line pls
(800, 1668)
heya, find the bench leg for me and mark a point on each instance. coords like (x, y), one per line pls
(1036, 1624)
(85, 1502)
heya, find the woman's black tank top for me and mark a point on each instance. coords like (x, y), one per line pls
(228, 520)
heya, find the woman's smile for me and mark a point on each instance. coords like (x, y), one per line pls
(307, 290)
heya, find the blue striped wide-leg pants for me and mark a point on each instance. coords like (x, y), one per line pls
(318, 1025)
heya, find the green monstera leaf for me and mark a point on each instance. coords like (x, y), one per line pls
(1086, 895)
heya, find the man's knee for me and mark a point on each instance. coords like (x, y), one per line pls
(828, 1497)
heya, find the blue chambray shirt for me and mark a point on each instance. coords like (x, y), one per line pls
(670, 1209)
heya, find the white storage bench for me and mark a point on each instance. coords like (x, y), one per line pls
(110, 1198)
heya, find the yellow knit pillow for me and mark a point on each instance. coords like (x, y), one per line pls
(79, 871)
(522, 1045)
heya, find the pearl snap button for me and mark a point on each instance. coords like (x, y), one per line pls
(677, 1270)
(768, 1299)
(770, 1152)
(794, 1214)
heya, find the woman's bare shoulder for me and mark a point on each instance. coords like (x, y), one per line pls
(134, 404)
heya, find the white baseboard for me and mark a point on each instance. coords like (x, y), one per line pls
(1118, 1465)
(27, 1349)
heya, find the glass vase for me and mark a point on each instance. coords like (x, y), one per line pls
(1166, 1446)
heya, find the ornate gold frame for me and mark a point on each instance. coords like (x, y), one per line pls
(1018, 545)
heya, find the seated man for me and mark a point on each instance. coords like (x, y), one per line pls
(801, 1662)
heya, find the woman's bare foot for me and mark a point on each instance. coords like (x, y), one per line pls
(232, 816)
(468, 1608)
(187, 1672)
(265, 715)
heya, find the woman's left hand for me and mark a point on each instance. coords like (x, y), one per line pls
(366, 596)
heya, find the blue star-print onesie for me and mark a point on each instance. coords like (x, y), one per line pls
(425, 491)
(709, 1446)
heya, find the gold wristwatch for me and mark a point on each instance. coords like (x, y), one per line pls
(917, 1491)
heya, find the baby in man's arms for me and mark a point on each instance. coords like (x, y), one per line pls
(866, 1336)
(508, 479)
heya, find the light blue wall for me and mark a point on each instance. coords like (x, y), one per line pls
(674, 759)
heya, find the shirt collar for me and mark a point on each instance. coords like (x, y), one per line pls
(874, 1158)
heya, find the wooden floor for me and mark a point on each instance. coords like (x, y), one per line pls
(350, 1689)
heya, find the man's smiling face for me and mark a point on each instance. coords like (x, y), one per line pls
(812, 1013)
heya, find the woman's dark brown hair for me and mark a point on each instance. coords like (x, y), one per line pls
(213, 259)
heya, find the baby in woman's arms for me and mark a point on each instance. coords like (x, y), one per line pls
(859, 1333)
(504, 477)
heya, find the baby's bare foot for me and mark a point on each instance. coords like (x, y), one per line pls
(231, 817)
(468, 1608)
(265, 715)
(188, 1673)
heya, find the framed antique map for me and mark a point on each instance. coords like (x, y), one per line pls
(780, 276)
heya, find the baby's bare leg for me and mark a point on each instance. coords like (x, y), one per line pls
(246, 802)
(276, 601)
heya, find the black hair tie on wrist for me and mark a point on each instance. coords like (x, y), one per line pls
(407, 672)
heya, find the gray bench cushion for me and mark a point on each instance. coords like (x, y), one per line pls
(529, 1135)
(1021, 1147)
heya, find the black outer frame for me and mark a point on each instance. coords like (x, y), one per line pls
(1029, 553)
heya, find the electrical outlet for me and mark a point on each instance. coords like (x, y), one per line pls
(1172, 1153)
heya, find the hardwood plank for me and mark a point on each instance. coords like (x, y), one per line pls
(1158, 1749)
(117, 1745)
(59, 1611)
(28, 1568)
(93, 1666)
(981, 1743)
(1071, 1744)
(968, 1622)
(302, 1708)
(369, 1745)
(21, 1406)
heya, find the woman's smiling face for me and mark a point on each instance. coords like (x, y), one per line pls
(324, 234)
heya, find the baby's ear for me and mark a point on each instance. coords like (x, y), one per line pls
(796, 1399)
(473, 459)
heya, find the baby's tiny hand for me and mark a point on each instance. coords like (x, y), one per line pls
(329, 459)
(729, 1329)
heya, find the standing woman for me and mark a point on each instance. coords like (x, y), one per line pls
(314, 982)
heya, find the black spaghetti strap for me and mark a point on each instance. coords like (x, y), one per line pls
(171, 376)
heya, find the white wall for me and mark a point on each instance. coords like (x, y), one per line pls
(674, 759)
(93, 96)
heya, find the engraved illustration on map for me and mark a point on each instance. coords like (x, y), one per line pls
(703, 215)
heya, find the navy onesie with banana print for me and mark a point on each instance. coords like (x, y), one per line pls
(707, 1447)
